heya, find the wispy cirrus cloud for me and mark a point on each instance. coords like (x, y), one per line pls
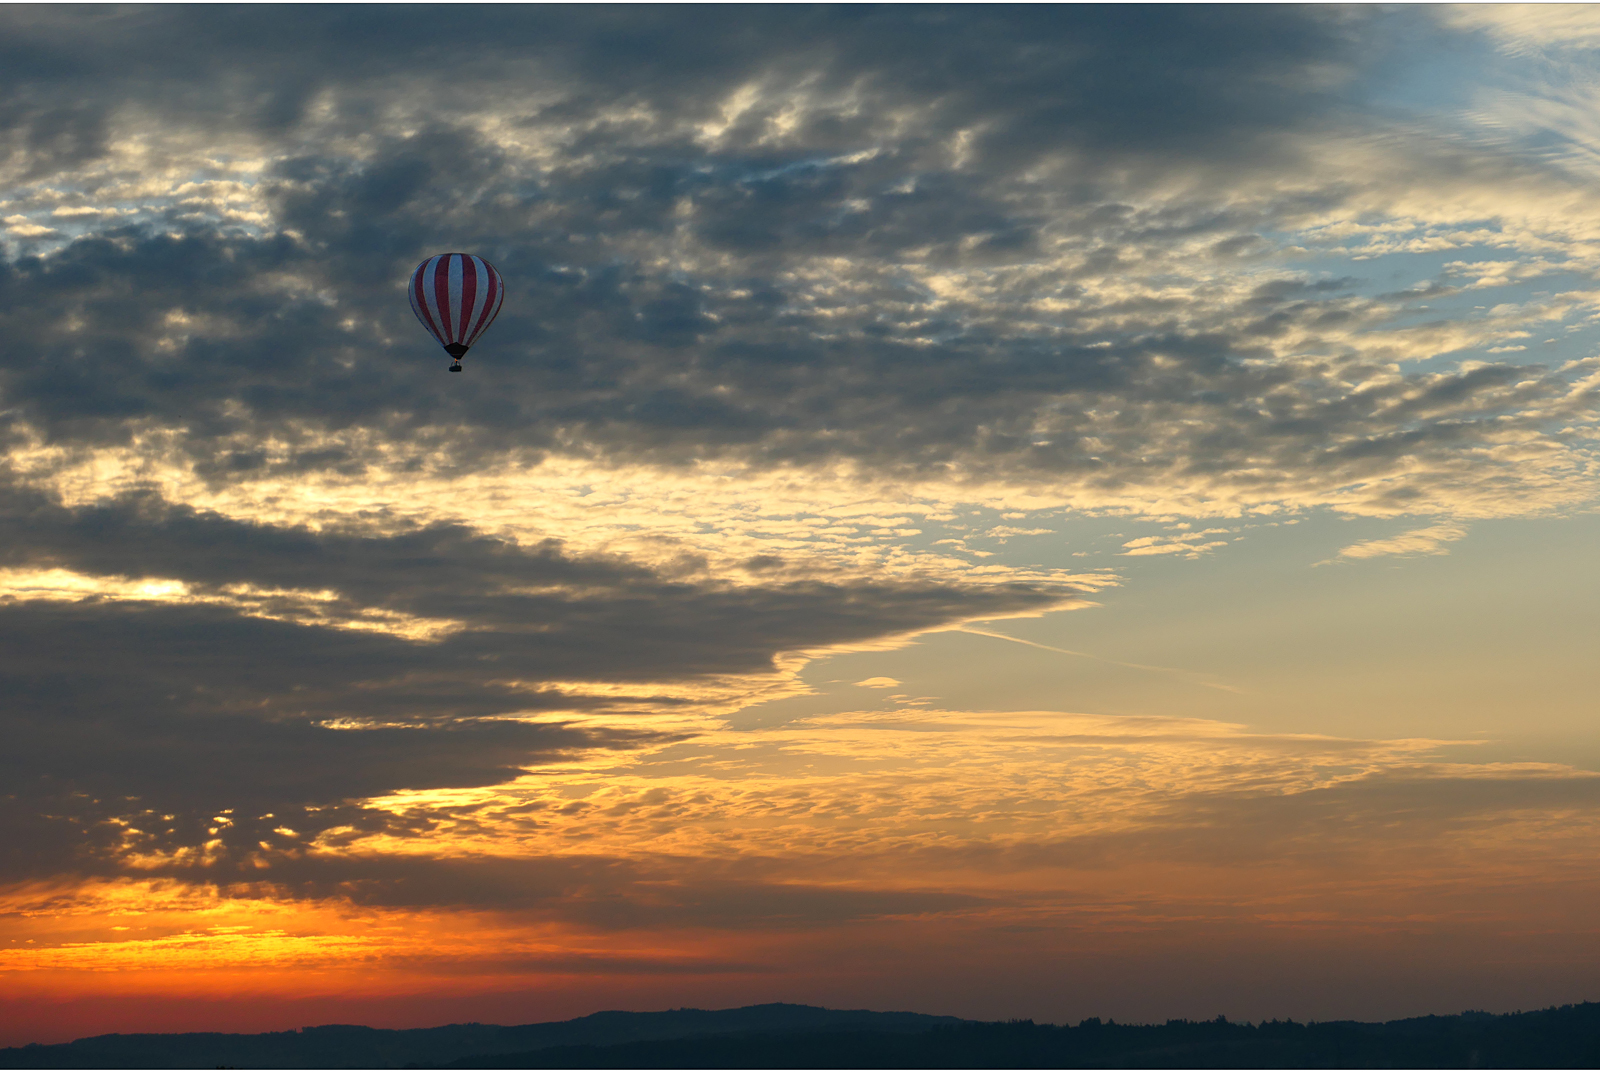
(1429, 540)
(904, 820)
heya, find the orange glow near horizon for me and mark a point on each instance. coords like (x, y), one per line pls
(839, 849)
(1028, 511)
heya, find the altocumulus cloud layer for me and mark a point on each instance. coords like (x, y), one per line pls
(803, 304)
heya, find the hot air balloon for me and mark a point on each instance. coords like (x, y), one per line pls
(456, 296)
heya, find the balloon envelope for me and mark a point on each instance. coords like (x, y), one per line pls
(456, 296)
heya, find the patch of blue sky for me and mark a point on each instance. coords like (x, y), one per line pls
(1436, 286)
(1431, 70)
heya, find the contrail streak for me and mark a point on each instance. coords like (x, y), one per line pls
(1190, 675)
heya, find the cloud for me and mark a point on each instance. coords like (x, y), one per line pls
(1189, 545)
(971, 823)
(801, 302)
(841, 289)
(1429, 540)
(276, 675)
(26, 228)
(1523, 26)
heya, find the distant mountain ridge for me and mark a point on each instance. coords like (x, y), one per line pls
(359, 1047)
(783, 1036)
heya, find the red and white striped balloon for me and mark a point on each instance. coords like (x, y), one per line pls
(456, 296)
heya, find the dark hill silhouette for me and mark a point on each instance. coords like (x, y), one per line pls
(781, 1036)
(1567, 1037)
(357, 1047)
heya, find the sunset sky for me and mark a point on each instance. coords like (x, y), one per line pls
(1015, 512)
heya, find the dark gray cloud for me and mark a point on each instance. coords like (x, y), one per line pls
(141, 709)
(924, 239)
(768, 291)
(552, 614)
(1150, 78)
(604, 891)
(599, 342)
(675, 368)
